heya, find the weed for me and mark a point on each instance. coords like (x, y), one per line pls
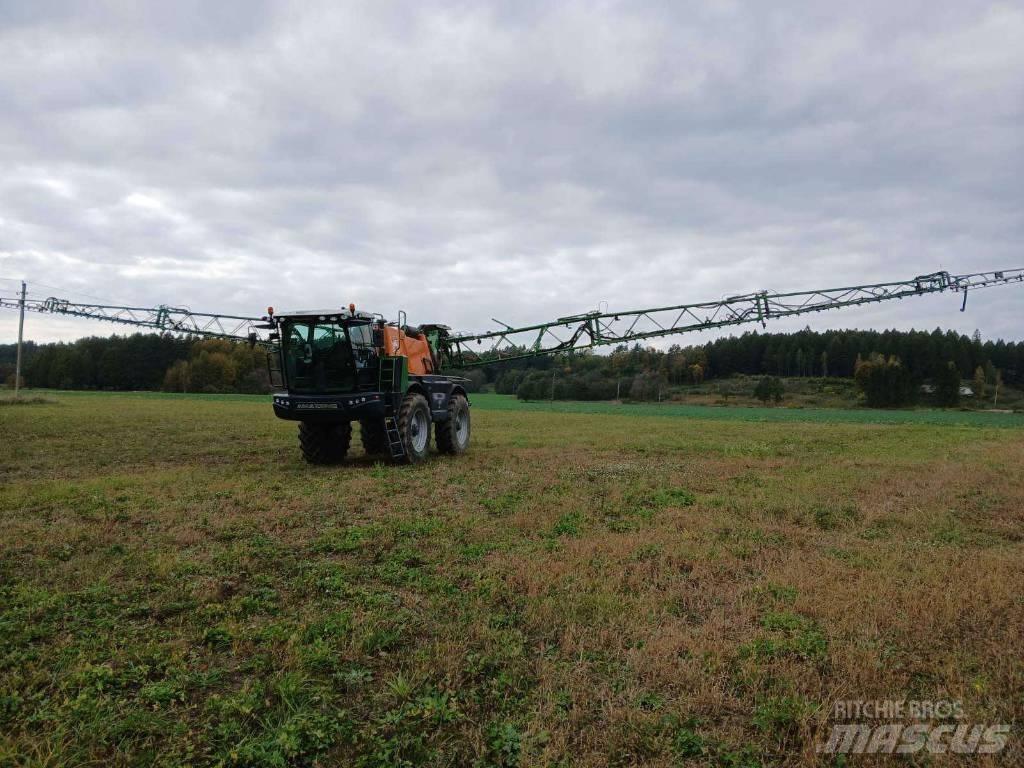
(502, 504)
(779, 715)
(882, 528)
(789, 634)
(217, 638)
(829, 517)
(568, 525)
(504, 744)
(687, 743)
(779, 593)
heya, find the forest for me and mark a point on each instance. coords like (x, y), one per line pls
(900, 360)
(140, 362)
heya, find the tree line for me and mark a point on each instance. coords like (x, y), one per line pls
(914, 358)
(142, 361)
(889, 364)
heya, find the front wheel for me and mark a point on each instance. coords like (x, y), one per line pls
(414, 428)
(453, 435)
(324, 443)
(374, 436)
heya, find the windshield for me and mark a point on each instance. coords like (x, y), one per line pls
(317, 356)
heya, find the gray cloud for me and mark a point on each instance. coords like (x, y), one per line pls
(463, 161)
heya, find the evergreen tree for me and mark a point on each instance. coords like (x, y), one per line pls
(947, 385)
(769, 388)
(883, 381)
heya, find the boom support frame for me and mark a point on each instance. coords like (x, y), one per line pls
(162, 318)
(595, 329)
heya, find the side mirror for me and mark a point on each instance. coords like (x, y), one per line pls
(252, 339)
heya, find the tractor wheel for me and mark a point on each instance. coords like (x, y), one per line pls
(324, 443)
(453, 435)
(414, 427)
(374, 436)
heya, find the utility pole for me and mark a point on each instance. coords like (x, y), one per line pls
(21, 331)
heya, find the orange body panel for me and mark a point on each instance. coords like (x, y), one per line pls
(397, 344)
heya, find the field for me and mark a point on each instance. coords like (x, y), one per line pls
(589, 585)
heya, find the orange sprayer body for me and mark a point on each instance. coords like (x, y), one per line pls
(398, 343)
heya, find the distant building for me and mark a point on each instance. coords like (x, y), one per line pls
(965, 391)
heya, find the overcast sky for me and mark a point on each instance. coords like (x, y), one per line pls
(523, 161)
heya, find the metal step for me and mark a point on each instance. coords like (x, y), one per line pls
(394, 437)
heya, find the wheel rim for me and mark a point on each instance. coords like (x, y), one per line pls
(419, 431)
(462, 427)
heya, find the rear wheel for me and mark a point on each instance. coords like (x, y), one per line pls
(453, 435)
(324, 443)
(373, 436)
(414, 427)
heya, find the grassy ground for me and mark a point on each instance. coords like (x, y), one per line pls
(709, 412)
(629, 587)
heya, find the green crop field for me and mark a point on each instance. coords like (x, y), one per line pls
(590, 585)
(712, 413)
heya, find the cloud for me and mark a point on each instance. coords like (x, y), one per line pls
(464, 161)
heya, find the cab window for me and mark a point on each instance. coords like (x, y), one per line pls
(318, 357)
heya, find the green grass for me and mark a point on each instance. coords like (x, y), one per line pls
(769, 414)
(783, 413)
(590, 585)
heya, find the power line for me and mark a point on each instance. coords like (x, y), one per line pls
(71, 291)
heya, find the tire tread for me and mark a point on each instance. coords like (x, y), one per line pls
(444, 432)
(324, 443)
